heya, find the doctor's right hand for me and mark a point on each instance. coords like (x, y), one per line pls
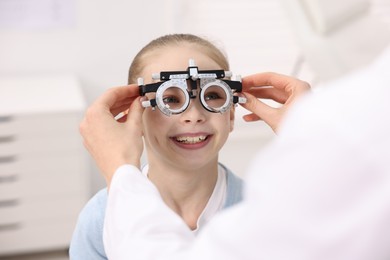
(112, 142)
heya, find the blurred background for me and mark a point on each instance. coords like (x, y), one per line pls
(57, 56)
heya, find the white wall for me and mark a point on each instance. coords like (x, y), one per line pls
(98, 48)
(106, 35)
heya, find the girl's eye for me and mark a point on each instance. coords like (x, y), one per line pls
(212, 96)
(170, 99)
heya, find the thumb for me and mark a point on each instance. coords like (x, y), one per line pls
(259, 109)
(135, 113)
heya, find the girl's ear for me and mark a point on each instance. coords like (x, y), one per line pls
(232, 117)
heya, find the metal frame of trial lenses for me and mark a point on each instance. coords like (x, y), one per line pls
(179, 79)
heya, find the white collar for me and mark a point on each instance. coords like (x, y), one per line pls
(216, 200)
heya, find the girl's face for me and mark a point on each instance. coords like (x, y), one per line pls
(193, 138)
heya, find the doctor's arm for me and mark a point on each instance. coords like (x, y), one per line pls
(315, 193)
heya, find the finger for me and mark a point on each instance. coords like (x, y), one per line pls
(122, 103)
(291, 87)
(282, 82)
(122, 119)
(257, 107)
(115, 95)
(266, 79)
(134, 115)
(122, 116)
(251, 117)
(121, 109)
(269, 93)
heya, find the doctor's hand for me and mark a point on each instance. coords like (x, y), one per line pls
(112, 142)
(283, 89)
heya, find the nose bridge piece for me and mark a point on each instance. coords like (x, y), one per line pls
(193, 91)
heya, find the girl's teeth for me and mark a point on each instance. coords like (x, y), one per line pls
(191, 140)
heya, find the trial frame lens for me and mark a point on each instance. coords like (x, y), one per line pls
(179, 86)
(223, 101)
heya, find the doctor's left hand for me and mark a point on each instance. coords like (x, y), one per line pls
(282, 89)
(112, 142)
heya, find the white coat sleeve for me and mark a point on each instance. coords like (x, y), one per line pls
(293, 209)
(137, 219)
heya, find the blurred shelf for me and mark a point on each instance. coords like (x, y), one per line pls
(43, 166)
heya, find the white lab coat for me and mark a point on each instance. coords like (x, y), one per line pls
(320, 191)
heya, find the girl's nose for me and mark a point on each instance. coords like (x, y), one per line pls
(195, 113)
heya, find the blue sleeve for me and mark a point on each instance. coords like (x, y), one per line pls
(87, 239)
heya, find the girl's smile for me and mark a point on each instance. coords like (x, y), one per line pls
(191, 140)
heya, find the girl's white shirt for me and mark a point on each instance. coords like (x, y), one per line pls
(216, 201)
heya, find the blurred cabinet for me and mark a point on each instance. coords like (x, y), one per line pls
(43, 166)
